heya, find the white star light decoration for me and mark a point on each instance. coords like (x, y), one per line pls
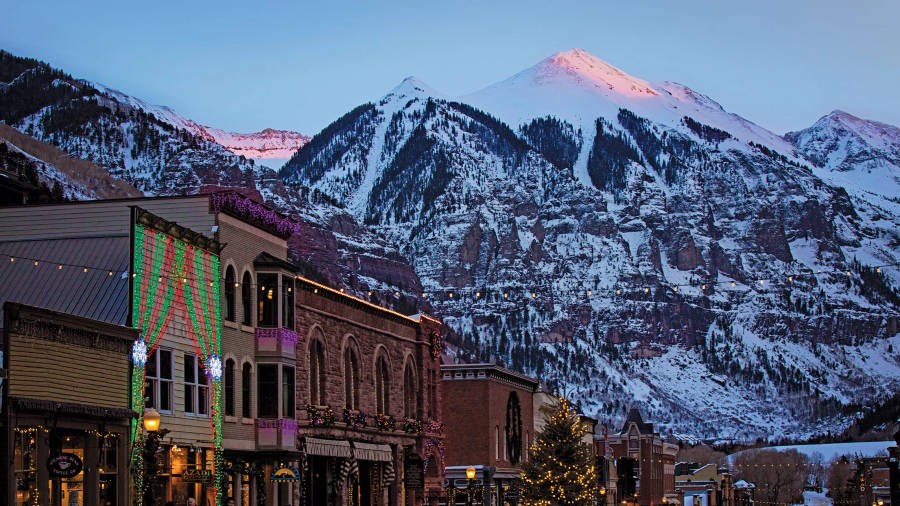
(139, 352)
(214, 368)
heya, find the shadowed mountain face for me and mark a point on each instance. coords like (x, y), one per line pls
(550, 218)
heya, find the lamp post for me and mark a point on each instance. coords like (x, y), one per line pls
(151, 446)
(470, 480)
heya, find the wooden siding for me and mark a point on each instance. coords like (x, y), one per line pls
(243, 242)
(48, 370)
(101, 217)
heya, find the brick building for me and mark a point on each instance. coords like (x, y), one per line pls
(369, 400)
(640, 451)
(709, 485)
(489, 411)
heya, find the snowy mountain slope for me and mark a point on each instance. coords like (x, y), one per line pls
(861, 155)
(570, 274)
(162, 153)
(260, 146)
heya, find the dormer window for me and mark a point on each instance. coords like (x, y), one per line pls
(267, 300)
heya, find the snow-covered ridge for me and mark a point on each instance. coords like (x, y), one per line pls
(268, 143)
(861, 155)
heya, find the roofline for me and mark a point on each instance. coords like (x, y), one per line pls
(13, 310)
(354, 298)
(493, 367)
(118, 199)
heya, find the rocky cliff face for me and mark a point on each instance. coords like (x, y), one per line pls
(640, 244)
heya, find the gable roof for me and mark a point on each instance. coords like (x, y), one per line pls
(634, 416)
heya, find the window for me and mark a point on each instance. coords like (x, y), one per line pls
(267, 390)
(245, 390)
(247, 299)
(351, 378)
(316, 373)
(527, 438)
(287, 302)
(158, 381)
(267, 300)
(432, 393)
(287, 392)
(497, 442)
(229, 387)
(382, 386)
(505, 454)
(196, 387)
(410, 407)
(229, 294)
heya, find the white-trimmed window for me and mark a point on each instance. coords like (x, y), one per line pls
(196, 387)
(158, 381)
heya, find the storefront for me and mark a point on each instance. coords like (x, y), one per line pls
(65, 415)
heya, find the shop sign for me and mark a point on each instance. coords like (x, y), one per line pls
(197, 476)
(414, 474)
(64, 465)
(286, 474)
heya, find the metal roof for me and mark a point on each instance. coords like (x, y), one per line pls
(93, 294)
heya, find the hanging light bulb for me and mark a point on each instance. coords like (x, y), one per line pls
(732, 283)
(423, 295)
(236, 284)
(12, 259)
(505, 295)
(370, 293)
(618, 291)
(589, 292)
(35, 263)
(878, 269)
(59, 267)
(646, 289)
(85, 269)
(315, 290)
(533, 295)
(790, 278)
(848, 273)
(760, 281)
(110, 273)
(703, 287)
(675, 288)
(477, 294)
(451, 295)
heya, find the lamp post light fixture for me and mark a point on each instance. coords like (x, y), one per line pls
(470, 472)
(151, 420)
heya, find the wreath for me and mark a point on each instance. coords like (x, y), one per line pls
(436, 345)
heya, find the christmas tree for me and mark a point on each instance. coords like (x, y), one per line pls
(560, 470)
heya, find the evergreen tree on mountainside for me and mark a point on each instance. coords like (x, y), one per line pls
(560, 469)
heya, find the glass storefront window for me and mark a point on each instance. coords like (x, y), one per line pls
(24, 457)
(69, 491)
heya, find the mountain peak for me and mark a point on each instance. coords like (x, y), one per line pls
(587, 67)
(412, 86)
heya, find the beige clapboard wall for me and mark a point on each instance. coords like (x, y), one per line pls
(49, 370)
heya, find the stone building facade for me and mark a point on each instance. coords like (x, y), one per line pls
(369, 401)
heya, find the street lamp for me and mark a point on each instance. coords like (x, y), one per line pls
(470, 489)
(470, 472)
(151, 420)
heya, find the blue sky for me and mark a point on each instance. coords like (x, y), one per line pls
(245, 66)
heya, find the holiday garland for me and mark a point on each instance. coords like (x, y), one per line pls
(436, 345)
(169, 272)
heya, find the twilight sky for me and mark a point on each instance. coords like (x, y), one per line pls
(245, 66)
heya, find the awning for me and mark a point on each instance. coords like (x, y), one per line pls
(328, 447)
(371, 451)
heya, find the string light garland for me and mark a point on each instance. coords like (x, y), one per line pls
(163, 266)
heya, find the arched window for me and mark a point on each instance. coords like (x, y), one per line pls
(316, 373)
(229, 294)
(351, 378)
(247, 299)
(245, 390)
(410, 393)
(229, 387)
(382, 386)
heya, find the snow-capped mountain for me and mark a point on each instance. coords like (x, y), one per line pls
(629, 242)
(162, 153)
(862, 155)
(270, 147)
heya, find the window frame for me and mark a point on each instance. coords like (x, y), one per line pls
(228, 383)
(316, 362)
(230, 313)
(158, 381)
(287, 302)
(198, 388)
(288, 392)
(351, 384)
(410, 392)
(247, 390)
(382, 385)
(271, 292)
(247, 299)
(262, 402)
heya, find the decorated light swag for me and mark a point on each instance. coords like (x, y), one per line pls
(170, 274)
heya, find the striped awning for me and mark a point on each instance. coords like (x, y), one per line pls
(372, 451)
(328, 447)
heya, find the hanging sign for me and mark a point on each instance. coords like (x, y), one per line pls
(197, 476)
(64, 465)
(284, 474)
